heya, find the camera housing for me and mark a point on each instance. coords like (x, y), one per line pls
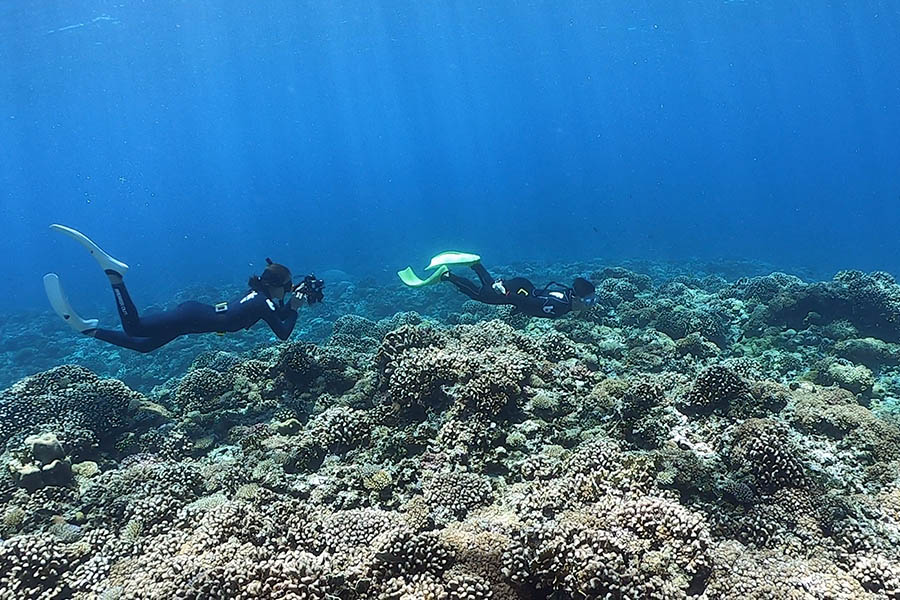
(311, 287)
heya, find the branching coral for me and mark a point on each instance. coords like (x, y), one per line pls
(421, 367)
(201, 390)
(70, 396)
(714, 388)
(762, 450)
(616, 548)
(34, 566)
(454, 494)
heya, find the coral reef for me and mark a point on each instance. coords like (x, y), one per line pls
(686, 438)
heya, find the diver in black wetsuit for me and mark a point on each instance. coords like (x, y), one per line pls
(264, 301)
(550, 302)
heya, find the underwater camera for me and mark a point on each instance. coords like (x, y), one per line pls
(311, 288)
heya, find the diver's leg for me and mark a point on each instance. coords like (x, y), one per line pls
(140, 344)
(159, 329)
(128, 313)
(483, 275)
(464, 285)
(174, 322)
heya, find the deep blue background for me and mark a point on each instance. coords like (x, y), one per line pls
(194, 138)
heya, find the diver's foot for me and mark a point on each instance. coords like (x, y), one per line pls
(110, 265)
(61, 306)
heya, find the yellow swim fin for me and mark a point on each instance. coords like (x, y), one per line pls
(408, 277)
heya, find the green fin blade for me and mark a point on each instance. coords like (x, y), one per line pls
(408, 277)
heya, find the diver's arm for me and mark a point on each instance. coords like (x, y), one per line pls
(280, 318)
(281, 321)
(532, 305)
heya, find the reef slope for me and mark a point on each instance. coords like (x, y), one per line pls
(693, 439)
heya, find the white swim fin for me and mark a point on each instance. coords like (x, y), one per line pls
(106, 262)
(458, 259)
(61, 306)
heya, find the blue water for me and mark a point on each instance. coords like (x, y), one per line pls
(192, 139)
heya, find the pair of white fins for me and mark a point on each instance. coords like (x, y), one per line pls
(439, 264)
(57, 295)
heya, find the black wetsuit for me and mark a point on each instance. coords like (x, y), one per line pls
(150, 332)
(550, 302)
(483, 293)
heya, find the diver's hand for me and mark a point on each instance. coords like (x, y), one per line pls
(296, 300)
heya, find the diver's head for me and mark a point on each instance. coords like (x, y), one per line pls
(584, 293)
(582, 287)
(275, 280)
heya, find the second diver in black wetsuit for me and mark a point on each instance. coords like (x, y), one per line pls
(265, 300)
(550, 302)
